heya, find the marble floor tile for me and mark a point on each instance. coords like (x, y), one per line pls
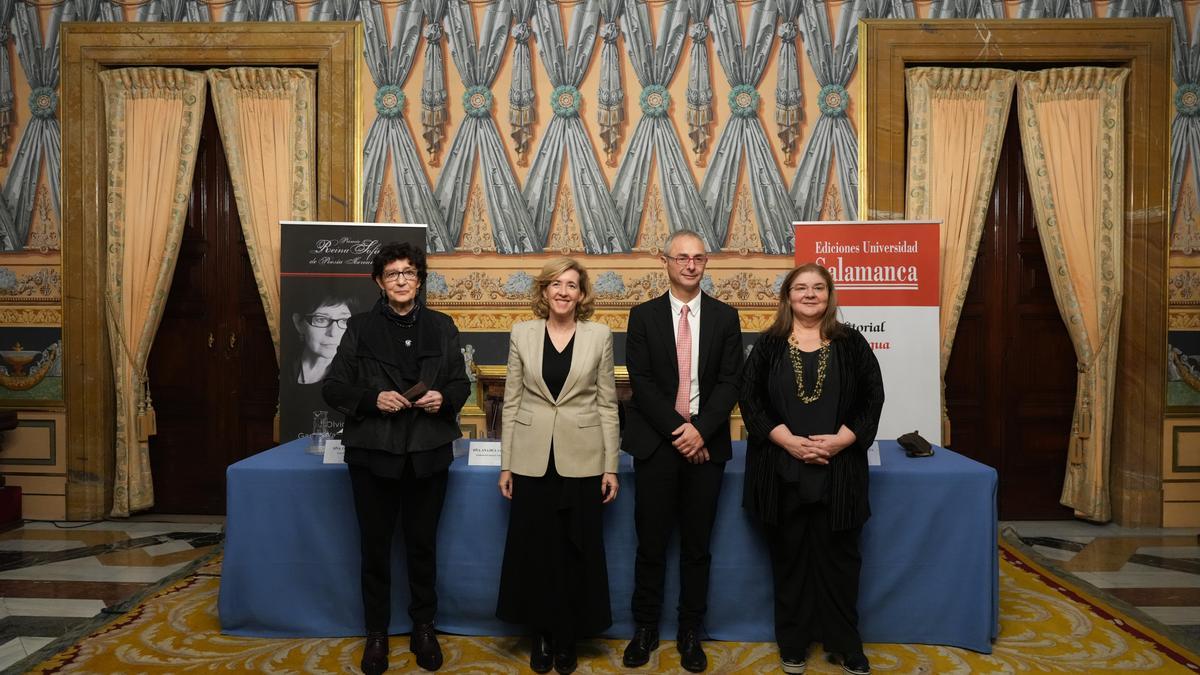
(106, 592)
(89, 569)
(39, 626)
(174, 546)
(1178, 551)
(131, 528)
(1054, 553)
(1133, 575)
(1174, 615)
(11, 651)
(38, 545)
(1104, 554)
(32, 644)
(53, 607)
(1159, 597)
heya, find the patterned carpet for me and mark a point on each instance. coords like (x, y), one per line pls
(1047, 625)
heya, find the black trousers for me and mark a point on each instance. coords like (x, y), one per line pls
(816, 575)
(417, 503)
(671, 492)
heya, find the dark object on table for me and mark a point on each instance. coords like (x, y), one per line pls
(914, 445)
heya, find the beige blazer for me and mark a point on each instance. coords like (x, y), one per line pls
(582, 422)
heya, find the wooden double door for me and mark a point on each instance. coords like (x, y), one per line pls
(1010, 383)
(212, 368)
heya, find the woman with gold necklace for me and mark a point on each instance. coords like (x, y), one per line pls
(811, 398)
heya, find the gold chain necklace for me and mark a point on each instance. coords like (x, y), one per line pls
(795, 355)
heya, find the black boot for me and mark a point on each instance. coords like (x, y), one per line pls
(424, 645)
(375, 653)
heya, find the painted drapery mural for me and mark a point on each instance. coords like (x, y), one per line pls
(528, 127)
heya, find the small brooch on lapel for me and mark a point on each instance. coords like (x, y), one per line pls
(408, 343)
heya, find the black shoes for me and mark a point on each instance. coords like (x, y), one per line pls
(691, 654)
(375, 654)
(424, 645)
(856, 664)
(637, 653)
(541, 657)
(565, 662)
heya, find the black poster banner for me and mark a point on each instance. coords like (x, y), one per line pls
(325, 277)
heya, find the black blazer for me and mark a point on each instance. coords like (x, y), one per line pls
(650, 355)
(367, 363)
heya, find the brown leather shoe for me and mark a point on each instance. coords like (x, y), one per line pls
(375, 654)
(424, 645)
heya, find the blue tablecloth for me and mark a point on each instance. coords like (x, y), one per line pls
(291, 566)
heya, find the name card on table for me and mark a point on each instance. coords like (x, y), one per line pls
(335, 452)
(873, 458)
(483, 453)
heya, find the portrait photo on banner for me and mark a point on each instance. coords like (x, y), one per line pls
(325, 278)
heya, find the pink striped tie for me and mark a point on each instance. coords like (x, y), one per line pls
(683, 350)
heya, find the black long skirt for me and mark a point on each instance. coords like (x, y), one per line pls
(554, 578)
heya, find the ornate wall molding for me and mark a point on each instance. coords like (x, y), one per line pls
(30, 284)
(31, 317)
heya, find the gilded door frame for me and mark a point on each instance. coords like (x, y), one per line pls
(333, 49)
(887, 47)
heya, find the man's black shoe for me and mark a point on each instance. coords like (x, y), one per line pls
(424, 645)
(637, 653)
(375, 654)
(564, 659)
(541, 656)
(691, 654)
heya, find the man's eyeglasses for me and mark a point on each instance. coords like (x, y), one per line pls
(394, 276)
(683, 260)
(322, 321)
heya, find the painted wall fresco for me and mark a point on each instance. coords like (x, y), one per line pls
(591, 127)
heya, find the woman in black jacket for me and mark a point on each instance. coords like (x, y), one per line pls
(811, 398)
(400, 380)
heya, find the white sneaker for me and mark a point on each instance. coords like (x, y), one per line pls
(793, 666)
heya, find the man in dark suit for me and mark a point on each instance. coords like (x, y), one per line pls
(684, 354)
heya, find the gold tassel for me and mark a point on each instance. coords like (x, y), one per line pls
(275, 427)
(147, 421)
(1085, 405)
(1077, 453)
(521, 119)
(610, 132)
(787, 118)
(432, 121)
(699, 117)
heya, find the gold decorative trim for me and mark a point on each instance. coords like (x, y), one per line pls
(31, 317)
(1183, 319)
(31, 285)
(1183, 286)
(496, 320)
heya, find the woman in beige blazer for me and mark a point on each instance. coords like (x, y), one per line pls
(558, 466)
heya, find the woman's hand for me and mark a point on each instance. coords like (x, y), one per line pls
(608, 487)
(391, 401)
(506, 484)
(431, 402)
(820, 448)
